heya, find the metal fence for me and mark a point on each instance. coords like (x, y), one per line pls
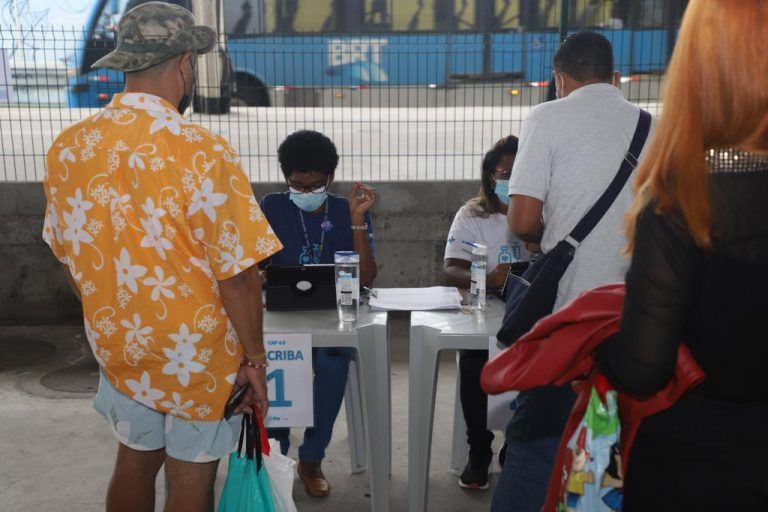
(398, 106)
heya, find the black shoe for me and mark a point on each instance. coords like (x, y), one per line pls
(503, 454)
(475, 474)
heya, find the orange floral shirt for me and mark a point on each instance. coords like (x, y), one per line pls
(149, 211)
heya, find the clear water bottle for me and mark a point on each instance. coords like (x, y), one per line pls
(347, 284)
(477, 288)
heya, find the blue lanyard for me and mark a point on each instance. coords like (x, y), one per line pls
(310, 249)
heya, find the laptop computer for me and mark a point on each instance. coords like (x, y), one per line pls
(300, 287)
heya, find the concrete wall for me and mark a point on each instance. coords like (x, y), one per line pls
(411, 223)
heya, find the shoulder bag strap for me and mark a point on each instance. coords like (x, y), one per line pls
(628, 164)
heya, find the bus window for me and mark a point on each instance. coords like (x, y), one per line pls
(455, 15)
(106, 23)
(464, 14)
(101, 37)
(412, 16)
(508, 14)
(377, 16)
(243, 17)
(297, 16)
(593, 13)
(651, 13)
(543, 14)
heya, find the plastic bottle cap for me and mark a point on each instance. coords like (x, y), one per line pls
(480, 250)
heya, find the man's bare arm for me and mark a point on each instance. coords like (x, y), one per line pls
(524, 216)
(241, 296)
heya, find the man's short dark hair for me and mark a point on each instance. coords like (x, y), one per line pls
(585, 56)
(307, 151)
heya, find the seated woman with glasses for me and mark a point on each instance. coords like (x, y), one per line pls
(482, 220)
(312, 225)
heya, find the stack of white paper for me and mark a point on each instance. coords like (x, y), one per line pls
(416, 299)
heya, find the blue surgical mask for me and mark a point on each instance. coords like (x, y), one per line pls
(502, 191)
(309, 201)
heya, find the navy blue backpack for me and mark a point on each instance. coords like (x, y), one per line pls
(532, 296)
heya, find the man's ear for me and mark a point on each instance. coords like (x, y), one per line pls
(186, 61)
(184, 58)
(560, 84)
(330, 179)
(616, 79)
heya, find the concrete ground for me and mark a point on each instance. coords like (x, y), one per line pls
(57, 453)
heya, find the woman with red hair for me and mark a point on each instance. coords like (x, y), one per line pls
(699, 272)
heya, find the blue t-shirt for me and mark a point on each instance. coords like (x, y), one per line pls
(285, 219)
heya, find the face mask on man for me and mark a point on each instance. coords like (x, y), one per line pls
(502, 191)
(309, 201)
(188, 93)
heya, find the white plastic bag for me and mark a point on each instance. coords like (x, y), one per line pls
(281, 474)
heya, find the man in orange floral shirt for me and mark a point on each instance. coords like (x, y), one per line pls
(160, 236)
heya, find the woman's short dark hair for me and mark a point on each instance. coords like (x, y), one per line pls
(585, 56)
(484, 205)
(306, 151)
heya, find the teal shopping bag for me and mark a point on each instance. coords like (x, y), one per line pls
(247, 486)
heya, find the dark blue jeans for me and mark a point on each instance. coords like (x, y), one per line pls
(522, 485)
(533, 437)
(331, 366)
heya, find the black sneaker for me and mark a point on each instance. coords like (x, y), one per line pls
(475, 474)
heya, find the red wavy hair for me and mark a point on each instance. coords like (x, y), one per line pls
(716, 96)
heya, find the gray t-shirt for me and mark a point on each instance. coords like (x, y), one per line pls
(570, 151)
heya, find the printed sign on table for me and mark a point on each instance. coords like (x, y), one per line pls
(499, 412)
(289, 380)
(6, 85)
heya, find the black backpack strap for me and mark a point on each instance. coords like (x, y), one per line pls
(601, 207)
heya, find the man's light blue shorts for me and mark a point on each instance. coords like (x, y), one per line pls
(140, 428)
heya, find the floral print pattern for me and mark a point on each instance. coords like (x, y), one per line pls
(149, 211)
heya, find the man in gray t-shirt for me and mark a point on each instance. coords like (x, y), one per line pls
(570, 151)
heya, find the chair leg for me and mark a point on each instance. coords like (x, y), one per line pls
(355, 428)
(460, 449)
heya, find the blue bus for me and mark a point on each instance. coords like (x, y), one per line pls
(287, 44)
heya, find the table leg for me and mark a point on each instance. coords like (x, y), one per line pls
(377, 400)
(421, 413)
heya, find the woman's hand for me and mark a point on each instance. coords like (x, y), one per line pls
(361, 200)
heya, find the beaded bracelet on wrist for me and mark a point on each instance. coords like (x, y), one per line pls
(261, 356)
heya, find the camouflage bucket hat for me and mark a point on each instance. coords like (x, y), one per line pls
(153, 33)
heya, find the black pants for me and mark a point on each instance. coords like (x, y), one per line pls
(700, 459)
(474, 401)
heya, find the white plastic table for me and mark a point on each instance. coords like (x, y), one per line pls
(432, 332)
(370, 338)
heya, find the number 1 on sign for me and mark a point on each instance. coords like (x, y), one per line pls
(279, 377)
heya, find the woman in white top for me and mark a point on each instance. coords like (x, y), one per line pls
(482, 220)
